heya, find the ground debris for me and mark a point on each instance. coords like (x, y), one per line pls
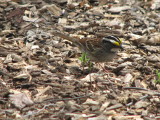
(43, 77)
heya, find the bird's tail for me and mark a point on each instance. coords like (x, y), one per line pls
(64, 36)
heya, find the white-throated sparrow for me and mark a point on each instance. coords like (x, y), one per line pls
(102, 49)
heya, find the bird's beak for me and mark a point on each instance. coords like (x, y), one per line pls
(121, 47)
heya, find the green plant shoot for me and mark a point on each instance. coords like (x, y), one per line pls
(157, 81)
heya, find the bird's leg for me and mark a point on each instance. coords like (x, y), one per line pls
(104, 69)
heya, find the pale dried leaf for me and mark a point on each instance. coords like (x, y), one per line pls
(20, 100)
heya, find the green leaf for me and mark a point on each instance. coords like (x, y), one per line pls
(158, 77)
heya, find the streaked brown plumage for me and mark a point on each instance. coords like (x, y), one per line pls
(102, 49)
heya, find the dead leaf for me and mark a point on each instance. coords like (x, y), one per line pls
(20, 100)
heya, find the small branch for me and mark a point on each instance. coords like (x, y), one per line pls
(64, 99)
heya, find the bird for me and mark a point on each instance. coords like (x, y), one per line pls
(99, 49)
